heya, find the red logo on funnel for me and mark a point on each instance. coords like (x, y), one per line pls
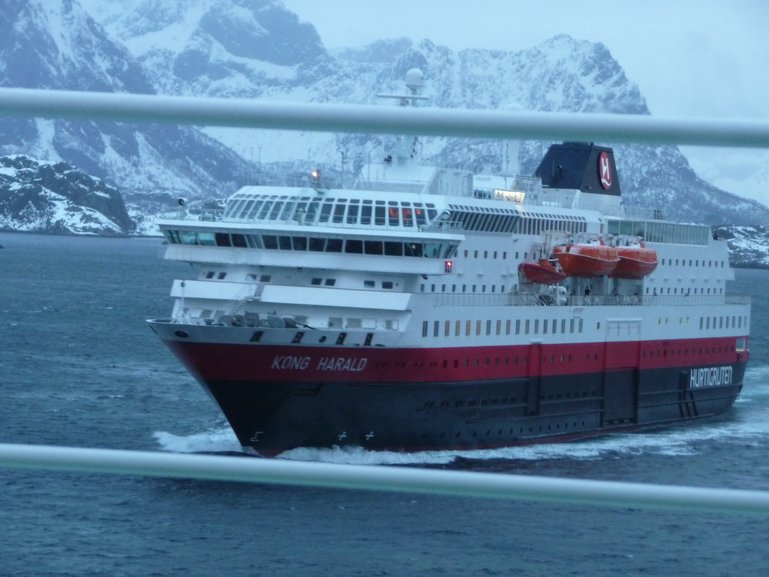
(604, 170)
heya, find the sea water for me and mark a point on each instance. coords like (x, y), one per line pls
(79, 367)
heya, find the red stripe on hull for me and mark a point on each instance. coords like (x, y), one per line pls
(281, 397)
(297, 363)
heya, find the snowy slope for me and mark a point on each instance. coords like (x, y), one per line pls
(748, 245)
(56, 44)
(217, 47)
(55, 197)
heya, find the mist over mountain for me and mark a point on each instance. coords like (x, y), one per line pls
(259, 49)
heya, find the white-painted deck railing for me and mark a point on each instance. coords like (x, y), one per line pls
(384, 119)
(383, 478)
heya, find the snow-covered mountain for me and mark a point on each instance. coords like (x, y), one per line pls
(748, 245)
(56, 44)
(218, 47)
(58, 198)
(259, 49)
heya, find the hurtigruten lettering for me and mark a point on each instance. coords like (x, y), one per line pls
(710, 377)
(297, 363)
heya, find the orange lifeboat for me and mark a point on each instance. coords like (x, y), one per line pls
(635, 262)
(587, 259)
(541, 272)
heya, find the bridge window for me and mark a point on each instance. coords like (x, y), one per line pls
(353, 246)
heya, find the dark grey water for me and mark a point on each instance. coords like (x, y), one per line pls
(78, 367)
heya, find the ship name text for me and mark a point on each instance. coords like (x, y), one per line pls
(710, 377)
(297, 363)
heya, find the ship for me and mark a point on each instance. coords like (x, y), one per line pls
(428, 308)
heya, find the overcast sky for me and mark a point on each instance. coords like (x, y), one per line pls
(692, 57)
(689, 57)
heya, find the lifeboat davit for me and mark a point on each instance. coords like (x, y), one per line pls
(635, 262)
(587, 259)
(542, 272)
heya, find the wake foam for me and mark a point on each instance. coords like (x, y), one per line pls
(585, 450)
(219, 440)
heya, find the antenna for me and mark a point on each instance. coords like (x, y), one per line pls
(415, 81)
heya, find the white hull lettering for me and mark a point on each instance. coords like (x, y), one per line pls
(341, 364)
(710, 377)
(290, 363)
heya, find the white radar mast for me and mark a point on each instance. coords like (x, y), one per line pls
(406, 150)
(512, 148)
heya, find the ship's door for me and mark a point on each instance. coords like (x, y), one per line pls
(622, 350)
(535, 378)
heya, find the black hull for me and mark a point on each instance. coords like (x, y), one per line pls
(275, 417)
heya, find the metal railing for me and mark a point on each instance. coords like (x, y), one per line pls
(524, 299)
(385, 120)
(380, 478)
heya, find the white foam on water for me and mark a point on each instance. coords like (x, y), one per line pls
(592, 449)
(217, 440)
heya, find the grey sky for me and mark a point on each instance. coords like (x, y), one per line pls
(692, 57)
(689, 57)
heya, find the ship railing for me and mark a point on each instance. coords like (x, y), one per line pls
(184, 214)
(479, 300)
(446, 225)
(527, 299)
(377, 223)
(419, 481)
(643, 212)
(657, 300)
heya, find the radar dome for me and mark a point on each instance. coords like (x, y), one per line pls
(415, 78)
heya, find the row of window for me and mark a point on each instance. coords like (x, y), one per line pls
(724, 322)
(653, 291)
(465, 288)
(391, 213)
(695, 262)
(474, 288)
(509, 221)
(499, 327)
(313, 244)
(564, 358)
(468, 328)
(369, 212)
(314, 281)
(313, 210)
(655, 231)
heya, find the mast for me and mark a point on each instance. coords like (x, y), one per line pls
(407, 148)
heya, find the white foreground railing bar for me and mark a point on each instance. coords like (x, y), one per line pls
(381, 478)
(498, 124)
